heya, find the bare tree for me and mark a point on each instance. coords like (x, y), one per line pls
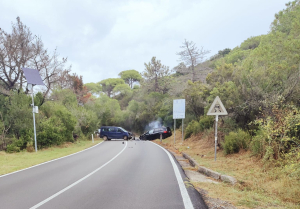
(23, 49)
(65, 80)
(191, 56)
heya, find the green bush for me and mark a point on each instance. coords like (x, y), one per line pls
(258, 143)
(56, 126)
(235, 141)
(192, 128)
(195, 127)
(58, 118)
(15, 146)
(251, 43)
(206, 122)
(26, 136)
(17, 113)
(29, 147)
(12, 148)
(19, 144)
(228, 125)
(277, 135)
(51, 132)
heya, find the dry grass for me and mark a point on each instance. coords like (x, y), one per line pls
(258, 187)
(17, 161)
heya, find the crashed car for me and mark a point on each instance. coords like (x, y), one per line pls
(155, 133)
(113, 132)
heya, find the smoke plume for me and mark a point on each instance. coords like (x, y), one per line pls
(154, 124)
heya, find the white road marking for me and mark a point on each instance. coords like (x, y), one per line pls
(49, 161)
(184, 193)
(77, 182)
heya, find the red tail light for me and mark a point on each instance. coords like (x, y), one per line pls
(165, 132)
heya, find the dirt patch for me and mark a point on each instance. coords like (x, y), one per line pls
(258, 186)
(214, 203)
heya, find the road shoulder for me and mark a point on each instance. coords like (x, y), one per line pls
(194, 176)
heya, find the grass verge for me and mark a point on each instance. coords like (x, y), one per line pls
(17, 161)
(258, 186)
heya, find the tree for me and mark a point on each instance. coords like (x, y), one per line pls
(23, 49)
(191, 56)
(251, 43)
(122, 89)
(80, 90)
(286, 19)
(195, 95)
(223, 52)
(154, 71)
(130, 76)
(109, 84)
(94, 88)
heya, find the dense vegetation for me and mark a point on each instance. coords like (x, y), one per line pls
(258, 82)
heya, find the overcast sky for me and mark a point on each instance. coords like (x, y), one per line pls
(102, 38)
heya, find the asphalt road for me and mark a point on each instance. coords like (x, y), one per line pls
(113, 174)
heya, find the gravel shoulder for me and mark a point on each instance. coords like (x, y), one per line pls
(194, 176)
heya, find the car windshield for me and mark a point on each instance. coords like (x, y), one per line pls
(123, 129)
(158, 130)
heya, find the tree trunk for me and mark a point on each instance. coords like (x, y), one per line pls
(193, 74)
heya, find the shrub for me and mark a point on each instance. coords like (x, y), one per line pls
(228, 125)
(51, 132)
(12, 148)
(195, 127)
(26, 136)
(258, 143)
(29, 147)
(192, 128)
(206, 122)
(235, 141)
(19, 144)
(17, 113)
(251, 43)
(278, 134)
(57, 125)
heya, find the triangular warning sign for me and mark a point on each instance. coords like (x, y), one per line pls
(217, 108)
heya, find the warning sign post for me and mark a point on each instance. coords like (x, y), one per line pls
(178, 113)
(217, 108)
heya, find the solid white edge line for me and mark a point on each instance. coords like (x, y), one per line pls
(184, 193)
(77, 182)
(50, 161)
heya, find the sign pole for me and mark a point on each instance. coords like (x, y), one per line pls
(178, 113)
(174, 130)
(216, 136)
(182, 129)
(33, 113)
(217, 108)
(33, 78)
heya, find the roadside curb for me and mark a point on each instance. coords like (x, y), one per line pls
(209, 172)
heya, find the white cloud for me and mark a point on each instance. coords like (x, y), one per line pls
(102, 38)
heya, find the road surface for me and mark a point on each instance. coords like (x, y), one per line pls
(113, 174)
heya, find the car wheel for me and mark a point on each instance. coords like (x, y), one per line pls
(125, 138)
(105, 138)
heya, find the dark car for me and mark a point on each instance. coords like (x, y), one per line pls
(155, 133)
(113, 132)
